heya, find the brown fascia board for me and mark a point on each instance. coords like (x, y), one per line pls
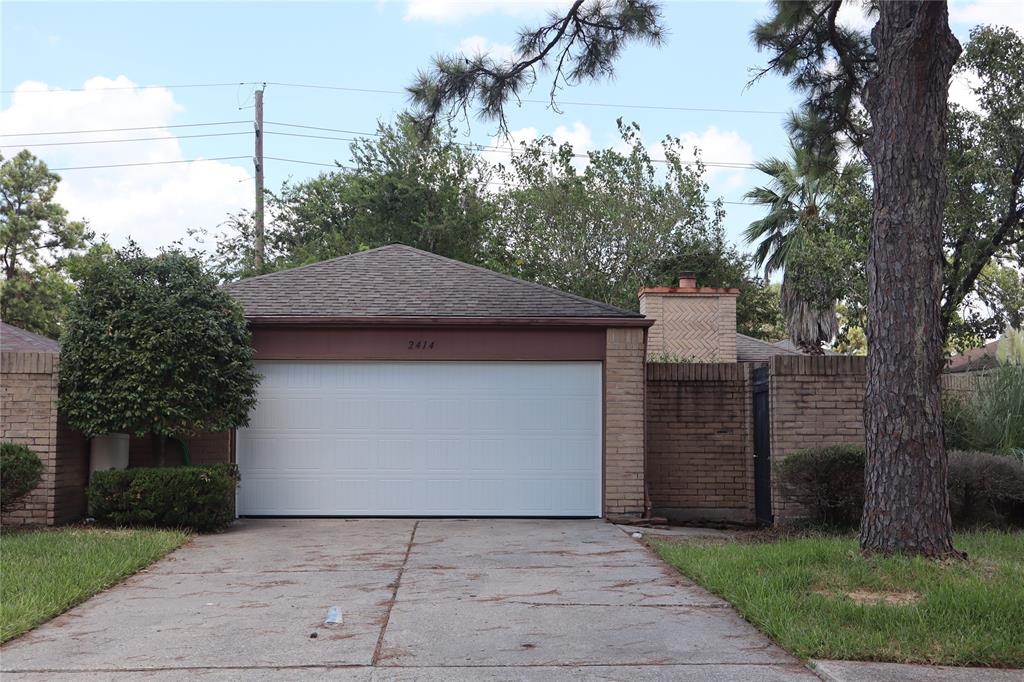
(275, 320)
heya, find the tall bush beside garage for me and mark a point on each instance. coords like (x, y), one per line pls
(153, 345)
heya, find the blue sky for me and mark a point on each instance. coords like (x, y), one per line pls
(705, 63)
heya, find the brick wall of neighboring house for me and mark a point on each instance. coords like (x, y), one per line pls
(28, 415)
(624, 421)
(206, 448)
(815, 401)
(700, 442)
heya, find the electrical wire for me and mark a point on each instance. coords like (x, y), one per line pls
(150, 163)
(339, 88)
(507, 150)
(119, 130)
(127, 139)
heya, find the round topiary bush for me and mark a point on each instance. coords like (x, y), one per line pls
(20, 471)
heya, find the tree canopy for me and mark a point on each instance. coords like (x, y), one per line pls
(37, 242)
(154, 345)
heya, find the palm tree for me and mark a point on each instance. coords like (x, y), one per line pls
(795, 196)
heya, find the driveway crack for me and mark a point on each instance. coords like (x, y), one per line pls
(394, 596)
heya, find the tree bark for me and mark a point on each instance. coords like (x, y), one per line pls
(906, 505)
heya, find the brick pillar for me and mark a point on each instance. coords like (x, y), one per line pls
(28, 416)
(691, 323)
(624, 421)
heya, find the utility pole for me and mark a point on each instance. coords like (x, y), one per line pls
(258, 247)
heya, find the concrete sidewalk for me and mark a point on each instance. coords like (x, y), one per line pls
(422, 600)
(863, 671)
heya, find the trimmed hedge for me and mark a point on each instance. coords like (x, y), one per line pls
(20, 472)
(198, 497)
(984, 489)
(828, 481)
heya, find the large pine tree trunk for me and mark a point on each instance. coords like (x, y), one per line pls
(906, 506)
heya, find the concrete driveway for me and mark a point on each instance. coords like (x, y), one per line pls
(422, 600)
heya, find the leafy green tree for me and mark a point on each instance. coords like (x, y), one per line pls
(154, 345)
(37, 239)
(984, 215)
(600, 232)
(1001, 290)
(424, 190)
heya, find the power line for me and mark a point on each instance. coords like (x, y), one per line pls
(149, 163)
(119, 130)
(507, 150)
(310, 163)
(127, 139)
(130, 87)
(339, 88)
(543, 101)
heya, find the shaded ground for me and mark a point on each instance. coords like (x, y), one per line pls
(427, 599)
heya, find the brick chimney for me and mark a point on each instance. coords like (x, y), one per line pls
(691, 323)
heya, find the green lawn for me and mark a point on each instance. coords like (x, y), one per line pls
(798, 592)
(45, 572)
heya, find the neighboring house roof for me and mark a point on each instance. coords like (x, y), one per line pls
(17, 340)
(749, 349)
(790, 347)
(399, 281)
(974, 359)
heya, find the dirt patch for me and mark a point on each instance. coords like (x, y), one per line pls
(873, 598)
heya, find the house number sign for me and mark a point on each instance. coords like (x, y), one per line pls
(421, 345)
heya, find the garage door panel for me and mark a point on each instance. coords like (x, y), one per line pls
(473, 439)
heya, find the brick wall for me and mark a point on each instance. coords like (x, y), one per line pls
(815, 401)
(28, 415)
(624, 421)
(72, 475)
(700, 442)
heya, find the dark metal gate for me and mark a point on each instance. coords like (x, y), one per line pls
(762, 449)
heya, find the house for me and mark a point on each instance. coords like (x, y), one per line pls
(399, 382)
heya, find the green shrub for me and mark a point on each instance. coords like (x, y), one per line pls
(828, 482)
(198, 497)
(986, 489)
(20, 471)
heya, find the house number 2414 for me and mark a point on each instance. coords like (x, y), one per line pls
(421, 345)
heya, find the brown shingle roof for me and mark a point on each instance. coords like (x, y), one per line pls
(16, 339)
(749, 349)
(398, 281)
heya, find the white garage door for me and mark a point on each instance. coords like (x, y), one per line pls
(423, 439)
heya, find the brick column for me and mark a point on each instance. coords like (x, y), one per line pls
(624, 421)
(28, 416)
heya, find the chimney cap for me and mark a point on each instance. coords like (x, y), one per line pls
(688, 280)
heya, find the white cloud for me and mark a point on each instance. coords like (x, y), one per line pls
(999, 12)
(717, 146)
(477, 45)
(578, 135)
(852, 15)
(961, 90)
(155, 205)
(456, 10)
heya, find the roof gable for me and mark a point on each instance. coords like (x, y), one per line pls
(399, 281)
